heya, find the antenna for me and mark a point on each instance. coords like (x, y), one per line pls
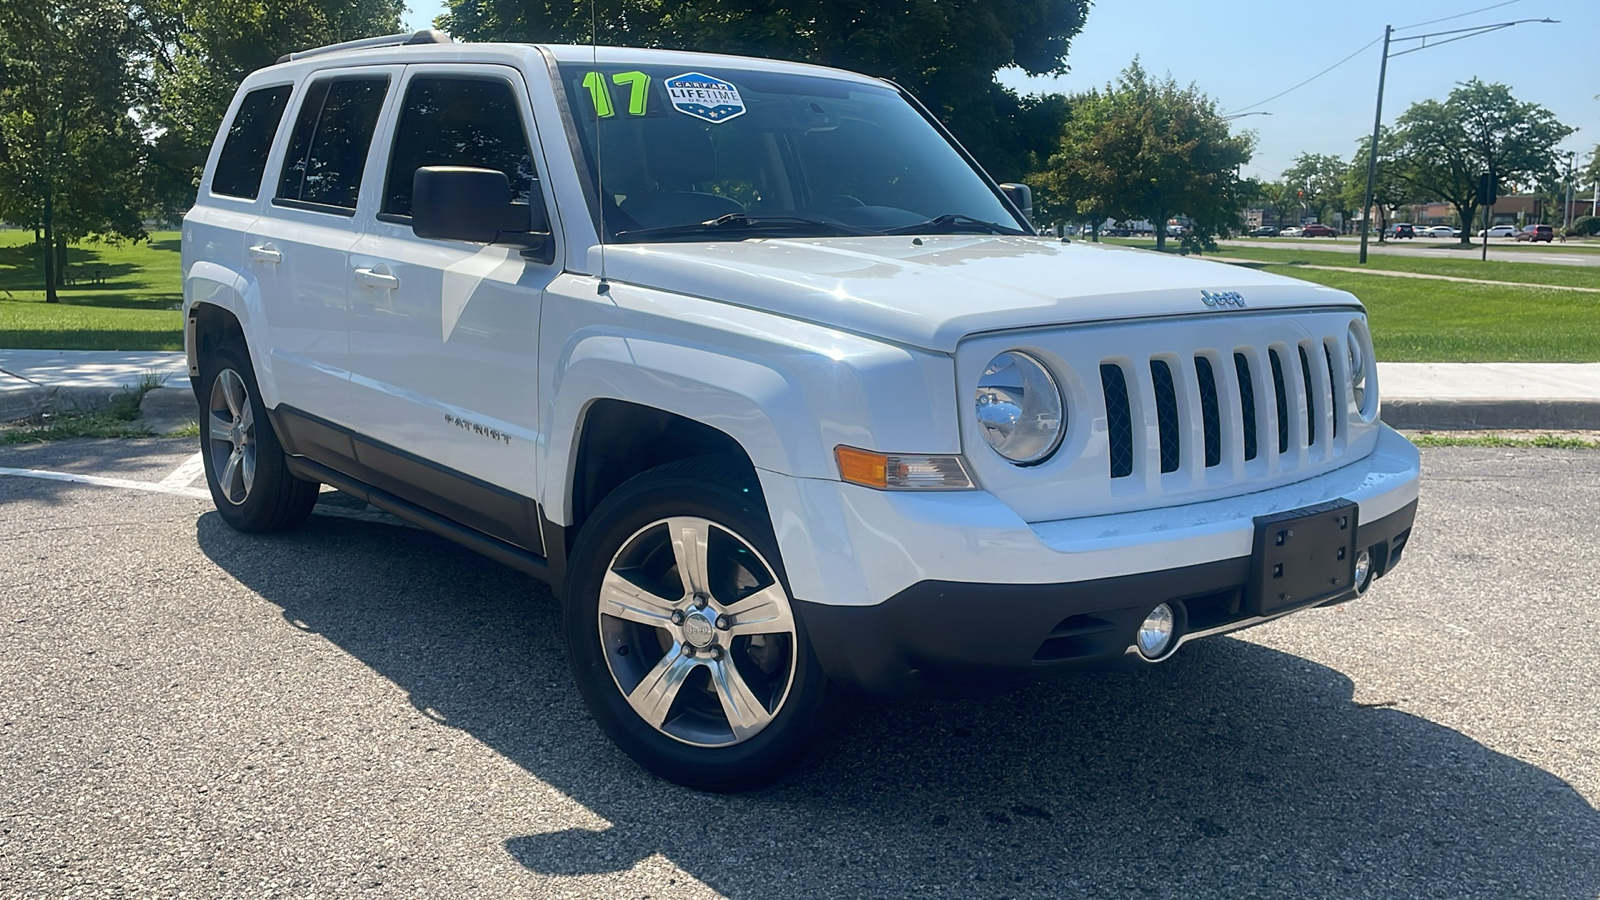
(599, 165)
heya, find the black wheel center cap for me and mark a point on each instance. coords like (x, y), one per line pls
(698, 630)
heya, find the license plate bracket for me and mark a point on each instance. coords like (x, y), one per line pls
(1302, 556)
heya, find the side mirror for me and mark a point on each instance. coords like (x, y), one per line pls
(458, 203)
(1021, 196)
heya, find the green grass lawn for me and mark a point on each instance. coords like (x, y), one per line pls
(136, 308)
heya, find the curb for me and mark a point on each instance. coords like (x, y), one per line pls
(20, 403)
(1491, 414)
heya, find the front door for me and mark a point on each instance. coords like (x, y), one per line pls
(444, 334)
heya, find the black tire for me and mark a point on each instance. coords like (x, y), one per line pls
(726, 501)
(264, 496)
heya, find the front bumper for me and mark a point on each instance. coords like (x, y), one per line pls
(943, 633)
(897, 589)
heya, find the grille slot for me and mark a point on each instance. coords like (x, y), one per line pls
(1333, 390)
(1166, 415)
(1210, 414)
(1119, 419)
(1312, 413)
(1247, 404)
(1282, 395)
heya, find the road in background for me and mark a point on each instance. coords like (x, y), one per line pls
(1497, 251)
(359, 707)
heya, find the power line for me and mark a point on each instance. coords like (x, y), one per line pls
(1457, 15)
(1316, 76)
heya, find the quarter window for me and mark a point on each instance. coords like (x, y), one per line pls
(331, 136)
(244, 153)
(458, 121)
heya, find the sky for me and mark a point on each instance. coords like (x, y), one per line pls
(1241, 53)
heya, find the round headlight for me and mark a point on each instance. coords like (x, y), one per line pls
(1356, 342)
(1020, 410)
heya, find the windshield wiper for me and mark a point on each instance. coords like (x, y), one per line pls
(951, 223)
(735, 222)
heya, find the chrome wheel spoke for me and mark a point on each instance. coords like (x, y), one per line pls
(746, 714)
(229, 472)
(623, 599)
(247, 469)
(689, 542)
(652, 698)
(232, 391)
(247, 420)
(221, 428)
(764, 612)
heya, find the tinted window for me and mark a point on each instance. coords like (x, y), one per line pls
(331, 137)
(458, 122)
(244, 153)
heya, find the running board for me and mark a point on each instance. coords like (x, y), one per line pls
(497, 550)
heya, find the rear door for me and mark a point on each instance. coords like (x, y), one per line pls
(299, 249)
(444, 334)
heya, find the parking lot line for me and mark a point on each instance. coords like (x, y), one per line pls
(153, 487)
(184, 475)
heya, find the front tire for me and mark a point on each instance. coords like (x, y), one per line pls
(245, 465)
(681, 630)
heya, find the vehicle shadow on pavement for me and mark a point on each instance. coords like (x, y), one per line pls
(1232, 769)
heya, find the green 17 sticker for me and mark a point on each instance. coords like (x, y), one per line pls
(638, 92)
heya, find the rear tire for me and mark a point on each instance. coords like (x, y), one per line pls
(245, 465)
(705, 678)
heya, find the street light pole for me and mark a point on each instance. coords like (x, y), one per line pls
(1456, 34)
(1372, 156)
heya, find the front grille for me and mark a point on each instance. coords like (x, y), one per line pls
(1180, 403)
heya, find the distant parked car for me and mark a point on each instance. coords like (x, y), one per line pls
(1316, 230)
(1500, 231)
(1264, 231)
(1441, 231)
(1291, 231)
(1403, 231)
(1532, 233)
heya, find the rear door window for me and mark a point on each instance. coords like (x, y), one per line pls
(243, 159)
(322, 169)
(450, 120)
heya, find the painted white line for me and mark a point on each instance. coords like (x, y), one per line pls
(150, 486)
(184, 475)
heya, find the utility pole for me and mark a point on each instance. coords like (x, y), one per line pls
(1372, 157)
(1455, 34)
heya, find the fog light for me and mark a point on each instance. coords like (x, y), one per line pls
(1363, 571)
(1155, 632)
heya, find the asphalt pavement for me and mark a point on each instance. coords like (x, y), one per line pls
(361, 708)
(1499, 249)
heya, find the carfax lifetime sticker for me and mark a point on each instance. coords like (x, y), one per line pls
(704, 97)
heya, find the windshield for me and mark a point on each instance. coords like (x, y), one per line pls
(728, 154)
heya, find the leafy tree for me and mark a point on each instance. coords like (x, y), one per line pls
(1318, 180)
(1389, 189)
(1149, 149)
(1479, 129)
(946, 52)
(70, 153)
(200, 50)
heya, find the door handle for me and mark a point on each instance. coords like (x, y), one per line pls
(373, 278)
(266, 253)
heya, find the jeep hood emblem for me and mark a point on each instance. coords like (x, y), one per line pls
(1222, 299)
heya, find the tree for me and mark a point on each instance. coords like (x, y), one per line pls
(70, 153)
(1318, 179)
(946, 53)
(1389, 189)
(1150, 149)
(1480, 128)
(199, 51)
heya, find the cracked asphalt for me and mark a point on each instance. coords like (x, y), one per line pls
(357, 708)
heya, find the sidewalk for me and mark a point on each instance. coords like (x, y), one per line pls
(1555, 396)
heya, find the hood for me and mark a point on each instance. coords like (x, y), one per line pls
(933, 291)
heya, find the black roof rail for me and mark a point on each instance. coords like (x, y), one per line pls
(428, 36)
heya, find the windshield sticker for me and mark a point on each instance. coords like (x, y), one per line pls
(704, 97)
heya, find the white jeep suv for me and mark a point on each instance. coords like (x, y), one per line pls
(766, 378)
